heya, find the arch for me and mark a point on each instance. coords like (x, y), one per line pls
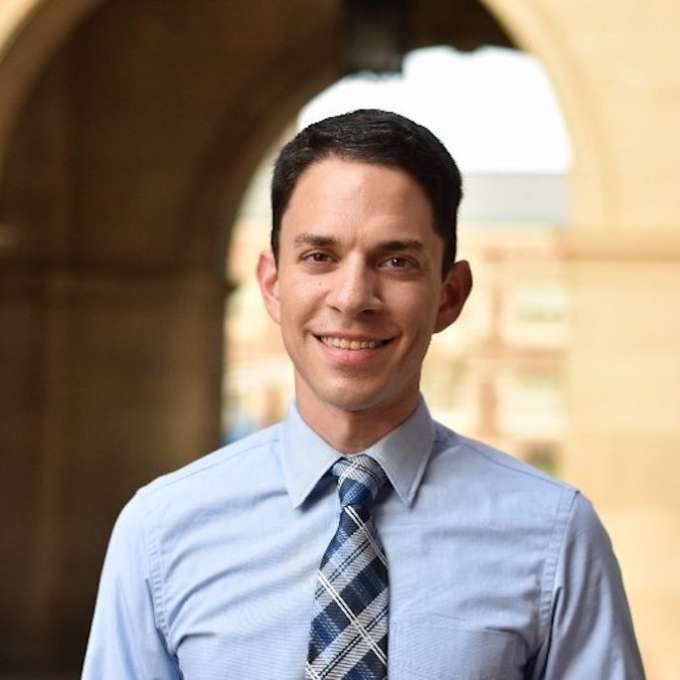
(121, 166)
(113, 246)
(30, 31)
(535, 29)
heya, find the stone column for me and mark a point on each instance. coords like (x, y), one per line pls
(624, 438)
(109, 379)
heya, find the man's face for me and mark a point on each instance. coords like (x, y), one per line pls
(358, 291)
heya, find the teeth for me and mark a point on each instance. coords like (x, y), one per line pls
(342, 343)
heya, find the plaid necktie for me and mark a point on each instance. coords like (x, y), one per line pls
(349, 631)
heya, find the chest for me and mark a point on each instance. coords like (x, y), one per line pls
(240, 605)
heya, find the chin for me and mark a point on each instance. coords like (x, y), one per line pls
(344, 400)
(356, 403)
(351, 396)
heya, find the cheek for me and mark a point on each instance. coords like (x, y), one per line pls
(301, 295)
(296, 304)
(417, 311)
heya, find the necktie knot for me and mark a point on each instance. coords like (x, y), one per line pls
(360, 478)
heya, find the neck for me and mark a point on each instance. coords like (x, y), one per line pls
(353, 431)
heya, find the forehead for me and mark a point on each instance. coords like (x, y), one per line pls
(352, 186)
(335, 164)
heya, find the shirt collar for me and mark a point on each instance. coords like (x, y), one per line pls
(403, 453)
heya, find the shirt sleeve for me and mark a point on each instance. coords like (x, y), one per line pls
(589, 626)
(125, 638)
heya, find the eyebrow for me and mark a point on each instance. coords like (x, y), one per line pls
(391, 246)
(398, 245)
(309, 239)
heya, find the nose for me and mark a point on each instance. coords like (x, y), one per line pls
(354, 290)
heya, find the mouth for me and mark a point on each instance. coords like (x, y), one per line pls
(351, 345)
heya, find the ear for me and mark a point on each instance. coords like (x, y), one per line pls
(455, 290)
(268, 279)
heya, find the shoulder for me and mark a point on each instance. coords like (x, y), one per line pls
(215, 475)
(214, 463)
(474, 459)
(500, 490)
(521, 494)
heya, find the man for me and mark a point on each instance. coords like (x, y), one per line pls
(450, 560)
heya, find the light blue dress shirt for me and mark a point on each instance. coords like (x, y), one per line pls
(496, 570)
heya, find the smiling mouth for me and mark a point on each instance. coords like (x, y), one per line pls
(344, 343)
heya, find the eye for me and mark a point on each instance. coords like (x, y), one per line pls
(316, 257)
(398, 262)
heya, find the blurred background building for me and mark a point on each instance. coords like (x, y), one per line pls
(130, 131)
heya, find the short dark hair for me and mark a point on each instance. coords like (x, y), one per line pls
(381, 138)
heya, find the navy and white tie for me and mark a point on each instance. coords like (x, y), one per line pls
(349, 631)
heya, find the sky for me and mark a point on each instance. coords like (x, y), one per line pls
(494, 108)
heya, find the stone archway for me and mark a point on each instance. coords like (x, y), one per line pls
(618, 90)
(125, 159)
(128, 132)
